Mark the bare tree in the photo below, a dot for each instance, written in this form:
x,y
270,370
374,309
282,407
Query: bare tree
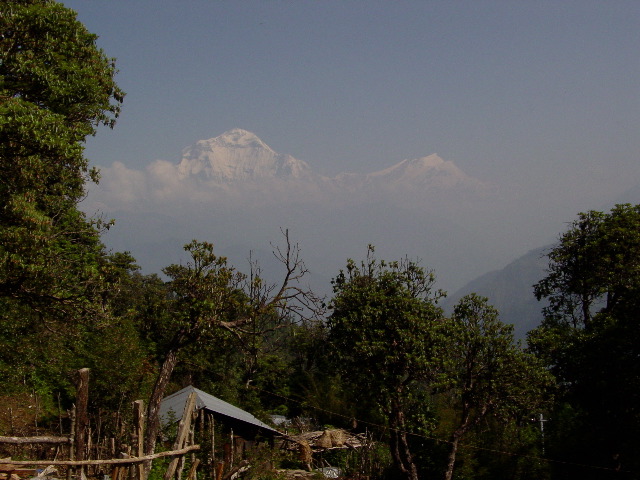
x,y
206,294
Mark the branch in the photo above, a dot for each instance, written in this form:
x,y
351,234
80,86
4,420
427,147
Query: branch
x,y
171,453
21,440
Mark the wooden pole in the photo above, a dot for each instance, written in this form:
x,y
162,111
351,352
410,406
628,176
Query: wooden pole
x,y
219,470
22,440
118,469
192,470
114,461
72,441
82,417
138,444
183,430
212,428
213,438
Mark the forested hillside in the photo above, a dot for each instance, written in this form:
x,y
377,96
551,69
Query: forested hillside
x,y
441,396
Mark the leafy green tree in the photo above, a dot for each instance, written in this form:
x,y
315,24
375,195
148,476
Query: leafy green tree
x,y
385,330
202,296
488,374
590,337
206,297
594,268
56,87
39,354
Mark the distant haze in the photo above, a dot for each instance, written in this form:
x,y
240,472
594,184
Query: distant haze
x,y
237,192
465,133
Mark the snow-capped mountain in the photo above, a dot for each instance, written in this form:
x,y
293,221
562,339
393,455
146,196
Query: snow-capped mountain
x,y
237,191
431,172
238,155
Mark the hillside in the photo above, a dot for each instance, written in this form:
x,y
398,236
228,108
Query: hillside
x,y
510,290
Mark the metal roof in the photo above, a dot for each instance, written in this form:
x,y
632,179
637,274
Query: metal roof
x,y
175,403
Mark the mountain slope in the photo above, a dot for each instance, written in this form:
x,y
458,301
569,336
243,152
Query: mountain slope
x,y
239,155
430,171
234,189
510,290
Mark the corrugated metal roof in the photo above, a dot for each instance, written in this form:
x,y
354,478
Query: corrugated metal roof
x,y
175,403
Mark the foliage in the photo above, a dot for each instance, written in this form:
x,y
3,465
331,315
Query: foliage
x,y
589,337
56,87
385,330
206,297
594,269
489,375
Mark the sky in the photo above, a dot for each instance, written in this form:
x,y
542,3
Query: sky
x,y
539,97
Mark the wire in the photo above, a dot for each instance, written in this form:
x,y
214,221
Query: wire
x,y
441,440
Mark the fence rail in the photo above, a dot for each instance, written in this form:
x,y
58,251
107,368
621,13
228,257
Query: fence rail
x,y
113,461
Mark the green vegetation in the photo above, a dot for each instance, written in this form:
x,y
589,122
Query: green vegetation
x,y
386,332
589,337
450,397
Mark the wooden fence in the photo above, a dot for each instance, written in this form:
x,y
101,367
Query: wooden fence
x,y
131,465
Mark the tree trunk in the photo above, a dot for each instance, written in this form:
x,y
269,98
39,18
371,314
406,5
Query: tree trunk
x,y
82,416
399,444
455,440
153,410
465,424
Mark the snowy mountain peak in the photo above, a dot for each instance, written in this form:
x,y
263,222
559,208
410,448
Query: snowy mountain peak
x,y
425,172
238,155
238,138
415,166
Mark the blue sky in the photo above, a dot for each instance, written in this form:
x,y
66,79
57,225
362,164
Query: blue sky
x,y
497,87
539,97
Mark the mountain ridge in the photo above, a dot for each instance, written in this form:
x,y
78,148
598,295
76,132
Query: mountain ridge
x,y
240,156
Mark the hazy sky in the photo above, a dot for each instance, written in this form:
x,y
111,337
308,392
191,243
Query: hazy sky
x,y
542,98
524,91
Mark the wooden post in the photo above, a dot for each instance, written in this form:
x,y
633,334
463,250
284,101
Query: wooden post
x,y
183,430
72,441
219,470
82,418
118,470
213,438
192,470
138,434
212,428
87,451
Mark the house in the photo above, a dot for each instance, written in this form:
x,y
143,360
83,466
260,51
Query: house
x,y
242,423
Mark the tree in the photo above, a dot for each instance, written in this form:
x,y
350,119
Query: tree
x,y
56,87
489,375
594,268
207,296
201,296
385,330
589,337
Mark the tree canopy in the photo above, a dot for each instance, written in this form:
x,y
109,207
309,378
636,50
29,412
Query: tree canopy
x,y
384,329
589,337
489,375
56,88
